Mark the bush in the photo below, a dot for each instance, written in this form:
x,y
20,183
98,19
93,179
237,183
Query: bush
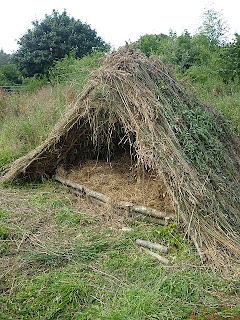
x,y
9,75
73,70
35,83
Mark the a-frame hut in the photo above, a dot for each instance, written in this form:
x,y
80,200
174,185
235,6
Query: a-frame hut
x,y
135,103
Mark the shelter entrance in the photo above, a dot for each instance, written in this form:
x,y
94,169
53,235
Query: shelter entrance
x,y
121,179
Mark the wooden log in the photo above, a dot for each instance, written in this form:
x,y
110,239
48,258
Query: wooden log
x,y
69,183
140,216
82,194
149,211
151,245
84,190
146,213
97,195
124,205
161,259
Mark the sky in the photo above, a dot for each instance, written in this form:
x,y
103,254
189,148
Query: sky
x,y
114,21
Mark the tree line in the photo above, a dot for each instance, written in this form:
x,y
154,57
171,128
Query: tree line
x,y
206,53
57,36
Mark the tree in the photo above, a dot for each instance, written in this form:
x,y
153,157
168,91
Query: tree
x,y
53,38
9,73
214,26
185,51
4,57
230,59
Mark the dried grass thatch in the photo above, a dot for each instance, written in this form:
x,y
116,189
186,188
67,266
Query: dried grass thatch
x,y
122,180
136,102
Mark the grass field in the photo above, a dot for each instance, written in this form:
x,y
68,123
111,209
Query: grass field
x,y
63,258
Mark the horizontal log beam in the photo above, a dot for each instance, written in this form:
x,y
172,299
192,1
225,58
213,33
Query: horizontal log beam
x,y
143,212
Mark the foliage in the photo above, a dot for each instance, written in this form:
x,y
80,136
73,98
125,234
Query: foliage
x,y
214,26
224,96
73,70
203,54
35,83
205,60
183,52
161,45
10,75
27,118
230,62
4,58
53,38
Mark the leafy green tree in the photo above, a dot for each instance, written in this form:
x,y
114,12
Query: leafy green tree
x,y
230,60
182,52
53,38
185,51
154,44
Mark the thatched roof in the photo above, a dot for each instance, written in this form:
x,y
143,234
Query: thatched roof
x,y
137,101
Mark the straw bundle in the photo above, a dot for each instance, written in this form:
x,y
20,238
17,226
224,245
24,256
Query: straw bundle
x,y
136,103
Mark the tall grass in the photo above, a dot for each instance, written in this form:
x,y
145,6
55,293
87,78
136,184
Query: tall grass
x,y
224,96
26,118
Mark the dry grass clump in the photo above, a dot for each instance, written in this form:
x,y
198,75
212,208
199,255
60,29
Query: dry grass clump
x,y
135,102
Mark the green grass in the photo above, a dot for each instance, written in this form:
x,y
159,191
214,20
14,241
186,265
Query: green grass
x,y
5,235
225,97
76,292
71,261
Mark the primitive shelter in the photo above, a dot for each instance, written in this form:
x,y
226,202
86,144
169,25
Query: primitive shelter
x,y
134,103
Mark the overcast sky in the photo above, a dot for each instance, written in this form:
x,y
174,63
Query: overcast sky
x,y
115,21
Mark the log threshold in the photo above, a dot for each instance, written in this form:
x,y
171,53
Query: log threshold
x,y
133,210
